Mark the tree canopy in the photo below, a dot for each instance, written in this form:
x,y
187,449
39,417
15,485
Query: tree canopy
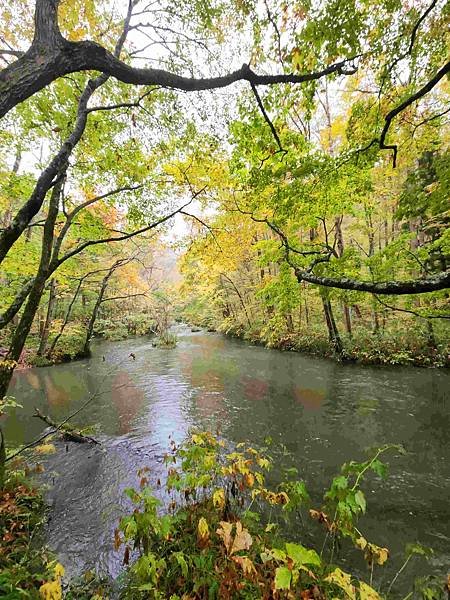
x,y
314,136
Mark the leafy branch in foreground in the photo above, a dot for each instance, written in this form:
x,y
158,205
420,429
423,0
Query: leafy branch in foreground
x,y
219,532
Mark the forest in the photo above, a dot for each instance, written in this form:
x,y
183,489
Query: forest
x,y
266,174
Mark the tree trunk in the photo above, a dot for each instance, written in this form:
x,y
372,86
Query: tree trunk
x,y
90,328
66,319
306,313
23,329
333,333
48,319
348,319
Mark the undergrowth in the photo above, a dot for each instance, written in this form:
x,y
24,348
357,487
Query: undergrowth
x,y
218,534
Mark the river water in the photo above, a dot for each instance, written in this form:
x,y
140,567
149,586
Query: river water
x,y
323,412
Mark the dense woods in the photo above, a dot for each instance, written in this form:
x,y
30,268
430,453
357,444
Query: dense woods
x,y
292,157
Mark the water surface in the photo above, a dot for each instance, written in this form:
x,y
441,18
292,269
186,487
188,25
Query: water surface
x,y
325,413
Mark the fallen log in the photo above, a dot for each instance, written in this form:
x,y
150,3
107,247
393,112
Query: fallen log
x,y
67,433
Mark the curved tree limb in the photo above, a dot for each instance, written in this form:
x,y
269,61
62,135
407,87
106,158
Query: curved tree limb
x,y
394,288
410,312
51,56
434,283
401,107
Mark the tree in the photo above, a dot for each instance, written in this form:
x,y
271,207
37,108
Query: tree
x,y
51,55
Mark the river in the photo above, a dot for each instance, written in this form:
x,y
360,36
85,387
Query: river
x,y
323,412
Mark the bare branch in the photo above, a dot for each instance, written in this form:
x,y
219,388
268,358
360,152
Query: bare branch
x,y
411,312
267,118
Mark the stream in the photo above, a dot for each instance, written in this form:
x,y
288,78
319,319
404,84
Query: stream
x,y
324,413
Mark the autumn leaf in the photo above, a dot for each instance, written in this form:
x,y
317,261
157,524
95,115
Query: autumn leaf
x,y
51,590
197,439
249,479
117,539
202,530
224,532
342,580
374,553
367,593
243,539
246,564
46,449
219,498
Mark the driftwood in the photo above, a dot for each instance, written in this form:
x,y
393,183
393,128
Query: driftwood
x,y
72,435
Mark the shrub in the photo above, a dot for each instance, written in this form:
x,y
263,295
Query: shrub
x,y
219,533
26,570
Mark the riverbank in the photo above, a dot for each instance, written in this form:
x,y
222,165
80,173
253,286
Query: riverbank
x,y
362,348
25,564
71,344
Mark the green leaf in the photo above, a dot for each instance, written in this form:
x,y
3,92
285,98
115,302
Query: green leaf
x,y
379,468
179,556
282,578
418,549
301,555
340,482
360,500
146,587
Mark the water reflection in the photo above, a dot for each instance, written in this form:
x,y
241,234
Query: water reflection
x,y
323,412
127,399
309,399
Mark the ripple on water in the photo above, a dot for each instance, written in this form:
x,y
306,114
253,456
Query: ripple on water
x,y
324,413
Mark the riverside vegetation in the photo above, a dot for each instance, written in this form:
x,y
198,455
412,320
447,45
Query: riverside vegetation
x,y
219,531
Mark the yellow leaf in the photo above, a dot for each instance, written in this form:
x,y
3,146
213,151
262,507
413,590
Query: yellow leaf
x,y
374,553
197,439
382,556
361,543
203,530
58,570
367,593
342,580
263,463
219,498
51,590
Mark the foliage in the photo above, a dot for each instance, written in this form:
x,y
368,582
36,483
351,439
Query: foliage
x,y
220,533
166,339
25,567
122,327
89,586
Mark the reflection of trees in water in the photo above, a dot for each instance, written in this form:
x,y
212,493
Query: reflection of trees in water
x,y
309,399
128,400
254,388
210,404
56,395
58,387
32,379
